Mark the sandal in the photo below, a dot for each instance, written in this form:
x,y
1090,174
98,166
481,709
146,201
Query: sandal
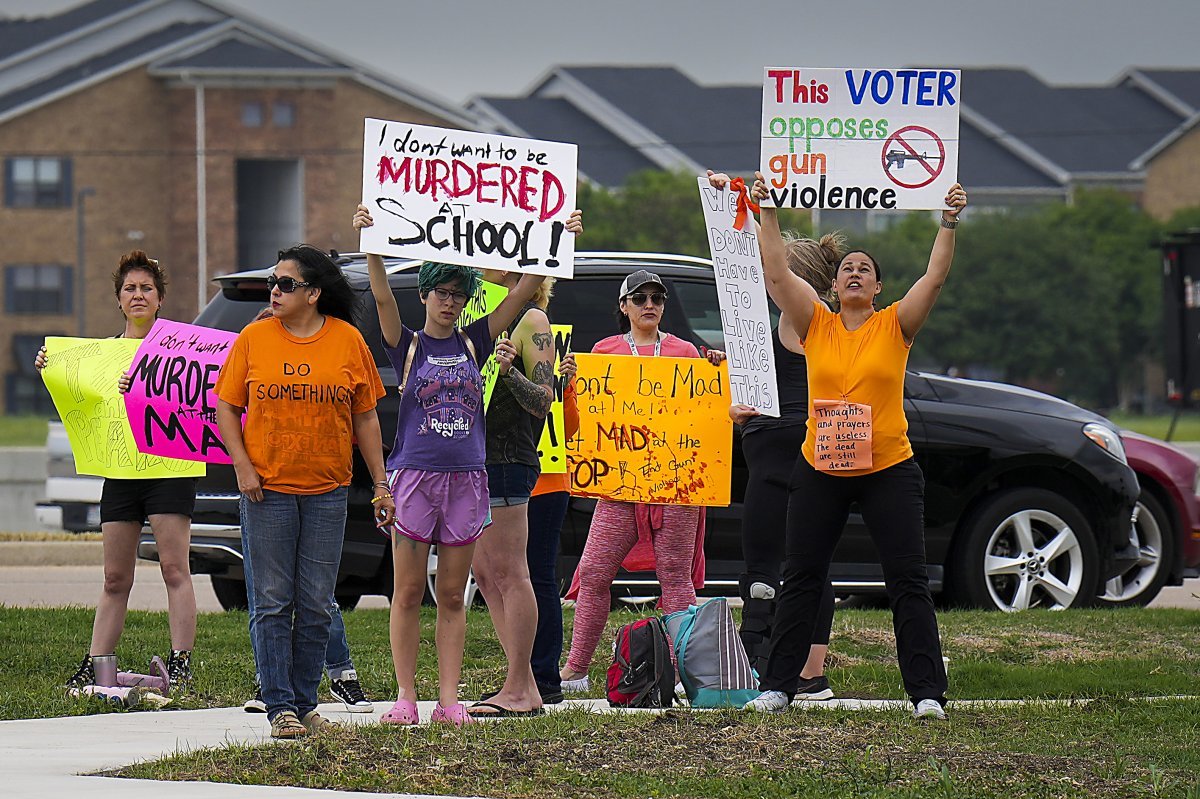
x,y
403,712
314,722
287,726
456,714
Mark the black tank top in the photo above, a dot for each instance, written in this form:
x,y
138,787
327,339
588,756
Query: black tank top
x,y
791,371
512,431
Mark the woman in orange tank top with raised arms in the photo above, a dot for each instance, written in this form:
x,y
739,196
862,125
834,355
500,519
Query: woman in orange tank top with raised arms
x,y
856,450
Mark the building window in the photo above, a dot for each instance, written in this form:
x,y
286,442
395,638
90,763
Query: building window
x,y
252,115
37,289
25,392
283,115
37,182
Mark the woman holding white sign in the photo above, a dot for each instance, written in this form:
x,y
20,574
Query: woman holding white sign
x,y
140,284
856,450
437,466
616,525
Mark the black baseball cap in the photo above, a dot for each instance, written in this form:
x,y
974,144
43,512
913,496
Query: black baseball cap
x,y
638,279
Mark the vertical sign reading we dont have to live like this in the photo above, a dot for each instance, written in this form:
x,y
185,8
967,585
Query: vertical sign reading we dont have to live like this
x,y
477,199
742,294
860,139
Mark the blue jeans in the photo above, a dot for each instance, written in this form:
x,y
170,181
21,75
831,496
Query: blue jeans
x,y
337,651
294,544
546,514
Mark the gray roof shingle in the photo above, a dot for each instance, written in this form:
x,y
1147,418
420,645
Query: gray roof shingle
x,y
1182,83
18,35
242,55
602,156
101,63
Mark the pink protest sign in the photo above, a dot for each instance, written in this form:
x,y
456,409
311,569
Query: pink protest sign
x,y
171,404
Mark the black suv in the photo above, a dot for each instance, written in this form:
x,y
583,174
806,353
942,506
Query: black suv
x,y
1027,503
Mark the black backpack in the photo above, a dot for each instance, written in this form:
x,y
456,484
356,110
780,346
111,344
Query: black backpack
x,y
641,674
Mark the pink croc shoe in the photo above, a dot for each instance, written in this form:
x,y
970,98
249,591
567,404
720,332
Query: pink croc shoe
x,y
456,714
404,712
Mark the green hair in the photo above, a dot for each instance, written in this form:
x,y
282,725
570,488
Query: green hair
x,y
434,274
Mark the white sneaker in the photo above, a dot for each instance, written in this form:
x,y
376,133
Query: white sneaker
x,y
929,709
769,702
579,686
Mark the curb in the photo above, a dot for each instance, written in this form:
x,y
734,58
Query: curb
x,y
51,553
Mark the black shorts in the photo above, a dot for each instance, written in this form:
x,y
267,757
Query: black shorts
x,y
136,500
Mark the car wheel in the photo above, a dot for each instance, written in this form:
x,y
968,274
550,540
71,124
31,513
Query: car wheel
x,y
1155,537
1026,548
469,593
231,593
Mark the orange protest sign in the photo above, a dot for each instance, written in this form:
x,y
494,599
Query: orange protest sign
x,y
651,430
843,438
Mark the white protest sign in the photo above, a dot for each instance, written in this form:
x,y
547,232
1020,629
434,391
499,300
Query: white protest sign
x,y
859,138
742,294
477,199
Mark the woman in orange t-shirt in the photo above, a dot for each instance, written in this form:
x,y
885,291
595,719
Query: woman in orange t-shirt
x,y
856,450
308,386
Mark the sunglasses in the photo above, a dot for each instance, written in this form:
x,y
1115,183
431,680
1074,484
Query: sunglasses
x,y
286,284
459,297
639,298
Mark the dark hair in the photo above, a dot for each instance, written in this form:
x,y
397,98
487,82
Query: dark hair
x,y
317,267
138,259
623,323
871,258
434,274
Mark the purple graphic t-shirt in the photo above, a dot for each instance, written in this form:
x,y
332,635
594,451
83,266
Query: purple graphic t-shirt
x,y
440,424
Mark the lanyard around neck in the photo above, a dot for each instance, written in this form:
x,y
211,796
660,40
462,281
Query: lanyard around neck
x,y
633,347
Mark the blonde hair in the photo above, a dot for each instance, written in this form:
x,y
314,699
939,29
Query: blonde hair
x,y
816,261
541,297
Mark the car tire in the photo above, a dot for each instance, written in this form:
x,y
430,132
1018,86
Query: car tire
x,y
1025,548
231,592
1155,535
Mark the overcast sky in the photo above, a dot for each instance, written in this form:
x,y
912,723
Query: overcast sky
x,y
458,49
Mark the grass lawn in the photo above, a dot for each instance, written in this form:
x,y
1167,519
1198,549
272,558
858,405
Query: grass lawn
x,y
23,431
1113,746
1187,429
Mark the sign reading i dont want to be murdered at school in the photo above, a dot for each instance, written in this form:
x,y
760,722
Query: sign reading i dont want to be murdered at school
x,y
479,199
171,403
742,294
651,430
859,138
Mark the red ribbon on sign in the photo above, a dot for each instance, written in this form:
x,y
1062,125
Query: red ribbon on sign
x,y
744,204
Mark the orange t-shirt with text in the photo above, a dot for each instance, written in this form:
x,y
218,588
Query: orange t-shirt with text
x,y
864,366
299,395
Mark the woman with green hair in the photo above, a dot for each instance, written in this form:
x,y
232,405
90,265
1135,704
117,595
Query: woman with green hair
x,y
437,466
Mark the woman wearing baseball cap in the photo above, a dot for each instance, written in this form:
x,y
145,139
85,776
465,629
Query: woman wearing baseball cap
x,y
616,526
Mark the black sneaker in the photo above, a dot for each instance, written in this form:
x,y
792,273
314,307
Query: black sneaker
x,y
256,704
813,689
179,669
348,691
86,675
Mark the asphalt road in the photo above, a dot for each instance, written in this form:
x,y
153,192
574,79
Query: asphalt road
x,y
56,586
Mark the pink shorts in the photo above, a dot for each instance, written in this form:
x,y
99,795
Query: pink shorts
x,y
445,508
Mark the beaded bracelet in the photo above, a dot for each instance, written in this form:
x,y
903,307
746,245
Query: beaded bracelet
x,y
380,499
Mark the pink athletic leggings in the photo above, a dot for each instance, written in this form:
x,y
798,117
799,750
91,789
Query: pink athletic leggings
x,y
612,534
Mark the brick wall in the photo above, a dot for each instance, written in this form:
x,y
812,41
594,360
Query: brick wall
x,y
1173,178
132,138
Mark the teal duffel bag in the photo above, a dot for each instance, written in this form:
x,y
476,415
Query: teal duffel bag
x,y
712,662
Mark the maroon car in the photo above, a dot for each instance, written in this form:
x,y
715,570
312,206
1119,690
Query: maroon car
x,y
1166,521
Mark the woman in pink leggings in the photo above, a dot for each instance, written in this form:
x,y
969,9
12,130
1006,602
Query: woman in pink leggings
x,y
616,525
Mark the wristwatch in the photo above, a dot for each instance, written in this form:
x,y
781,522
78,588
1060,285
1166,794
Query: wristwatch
x,y
949,224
